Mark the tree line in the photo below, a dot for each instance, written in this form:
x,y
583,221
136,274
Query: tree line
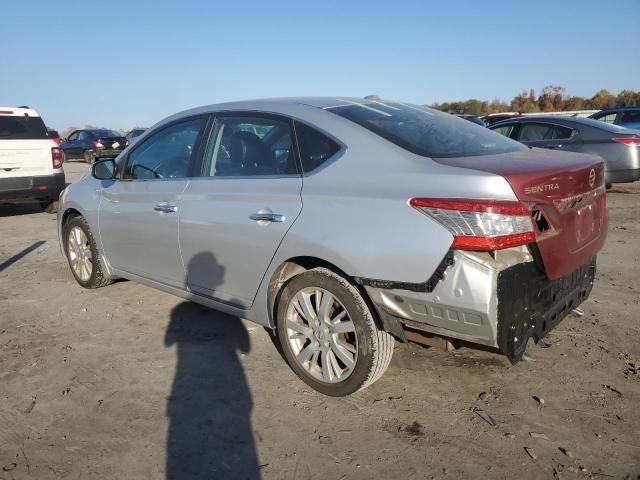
x,y
551,99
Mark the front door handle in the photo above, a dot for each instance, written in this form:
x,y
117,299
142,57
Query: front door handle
x,y
165,208
267,217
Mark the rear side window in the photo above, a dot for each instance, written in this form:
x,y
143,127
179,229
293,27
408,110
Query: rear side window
x,y
561,133
632,116
167,154
22,128
535,132
248,146
315,147
424,131
609,117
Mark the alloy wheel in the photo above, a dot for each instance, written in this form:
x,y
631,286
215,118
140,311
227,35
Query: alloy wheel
x,y
80,256
322,335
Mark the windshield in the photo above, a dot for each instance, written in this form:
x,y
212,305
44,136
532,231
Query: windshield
x,y
22,128
425,131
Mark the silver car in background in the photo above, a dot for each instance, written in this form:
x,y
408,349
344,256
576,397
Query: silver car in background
x,y
343,225
619,147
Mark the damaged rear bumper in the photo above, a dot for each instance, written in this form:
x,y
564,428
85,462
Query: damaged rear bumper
x,y
498,300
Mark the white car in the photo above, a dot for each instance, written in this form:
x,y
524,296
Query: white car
x,y
30,161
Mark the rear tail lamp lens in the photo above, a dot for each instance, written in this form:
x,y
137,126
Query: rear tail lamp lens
x,y
481,225
57,156
629,141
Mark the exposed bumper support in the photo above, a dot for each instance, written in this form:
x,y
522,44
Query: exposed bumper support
x,y
497,300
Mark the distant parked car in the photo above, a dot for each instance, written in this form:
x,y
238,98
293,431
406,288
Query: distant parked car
x,y
498,117
54,135
628,117
30,161
92,144
136,132
618,146
342,223
472,118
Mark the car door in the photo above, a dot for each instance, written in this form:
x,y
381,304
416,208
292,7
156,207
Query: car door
x,y
139,212
83,143
70,146
235,215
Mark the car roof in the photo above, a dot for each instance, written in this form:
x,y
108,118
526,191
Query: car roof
x,y
299,107
617,109
18,112
281,104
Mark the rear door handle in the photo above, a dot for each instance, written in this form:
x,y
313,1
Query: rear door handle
x,y
165,208
267,217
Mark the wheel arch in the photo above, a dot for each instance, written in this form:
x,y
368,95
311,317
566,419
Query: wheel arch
x,y
296,265
286,271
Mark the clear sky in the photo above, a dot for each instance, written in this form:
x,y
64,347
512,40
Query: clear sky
x,y
120,64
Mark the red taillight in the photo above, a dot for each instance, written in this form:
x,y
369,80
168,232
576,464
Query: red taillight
x,y
57,156
57,140
482,225
97,143
629,141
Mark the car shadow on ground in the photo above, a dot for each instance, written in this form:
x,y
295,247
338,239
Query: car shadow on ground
x,y
209,409
15,209
21,254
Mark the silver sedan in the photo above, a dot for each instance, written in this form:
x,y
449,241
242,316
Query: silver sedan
x,y
344,225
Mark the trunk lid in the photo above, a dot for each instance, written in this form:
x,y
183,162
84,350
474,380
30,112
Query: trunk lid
x,y
566,194
25,158
113,143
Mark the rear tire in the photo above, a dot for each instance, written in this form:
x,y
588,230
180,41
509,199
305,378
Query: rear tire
x,y
83,255
328,334
50,206
89,156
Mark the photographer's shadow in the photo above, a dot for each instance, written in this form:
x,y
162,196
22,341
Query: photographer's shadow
x,y
210,435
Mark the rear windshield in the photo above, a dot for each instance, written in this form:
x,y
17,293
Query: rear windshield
x,y
105,133
426,132
22,128
609,127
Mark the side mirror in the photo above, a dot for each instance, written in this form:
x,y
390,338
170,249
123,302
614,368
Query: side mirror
x,y
104,169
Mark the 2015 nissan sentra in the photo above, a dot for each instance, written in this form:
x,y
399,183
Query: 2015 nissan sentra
x,y
343,224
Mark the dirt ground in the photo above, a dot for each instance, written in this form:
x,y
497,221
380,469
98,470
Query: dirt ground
x,y
126,382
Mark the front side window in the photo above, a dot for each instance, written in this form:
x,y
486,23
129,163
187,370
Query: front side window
x,y
248,146
73,137
167,154
425,131
505,130
535,132
315,147
83,136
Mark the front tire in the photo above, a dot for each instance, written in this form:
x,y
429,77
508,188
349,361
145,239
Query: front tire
x,y
328,334
83,255
49,206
